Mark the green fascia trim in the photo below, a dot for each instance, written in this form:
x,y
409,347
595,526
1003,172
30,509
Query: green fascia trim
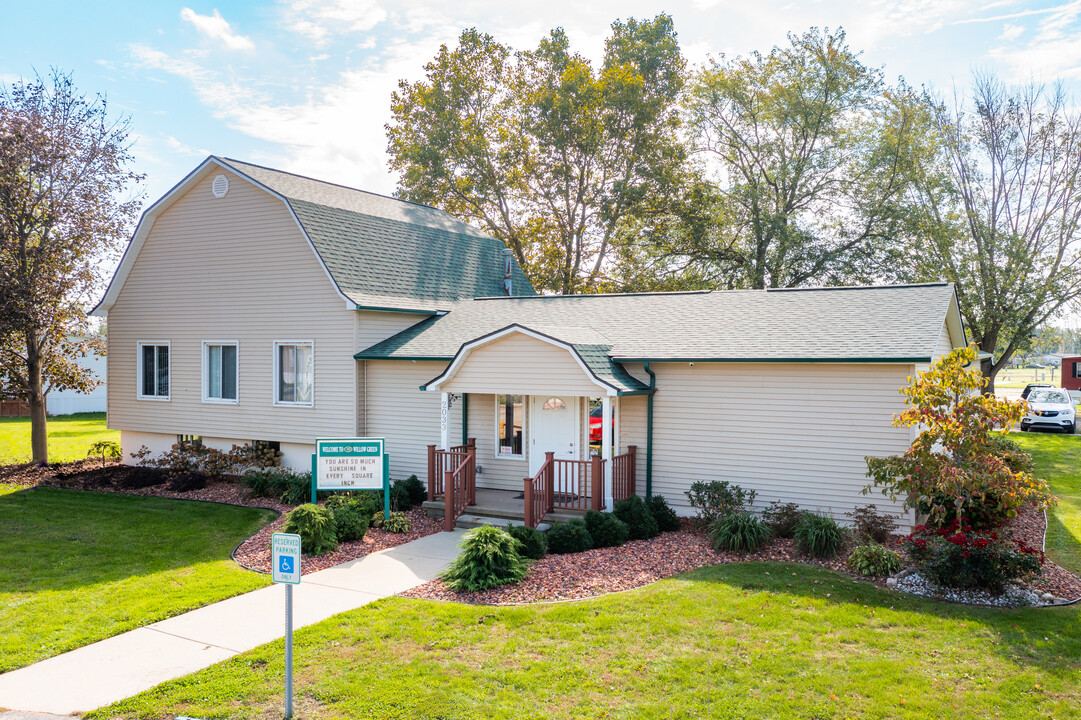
x,y
398,310
465,418
649,430
903,360
415,358
644,391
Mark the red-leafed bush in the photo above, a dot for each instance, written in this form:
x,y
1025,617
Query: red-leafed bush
x,y
958,556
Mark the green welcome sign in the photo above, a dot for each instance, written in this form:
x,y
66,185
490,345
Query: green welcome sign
x,y
346,464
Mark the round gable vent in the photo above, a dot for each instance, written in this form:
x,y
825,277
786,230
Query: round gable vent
x,y
220,186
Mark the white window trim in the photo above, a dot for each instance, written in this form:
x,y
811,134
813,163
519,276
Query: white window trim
x,y
206,373
495,427
274,383
139,371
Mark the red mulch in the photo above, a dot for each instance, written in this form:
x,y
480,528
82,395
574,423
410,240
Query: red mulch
x,y
1030,525
253,553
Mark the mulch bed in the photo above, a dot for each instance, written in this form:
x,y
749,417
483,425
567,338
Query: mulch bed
x,y
253,553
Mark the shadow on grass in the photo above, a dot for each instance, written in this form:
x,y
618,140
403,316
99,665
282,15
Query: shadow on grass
x,y
1046,638
57,539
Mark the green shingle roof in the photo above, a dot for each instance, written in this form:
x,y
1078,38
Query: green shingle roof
x,y
872,324
389,253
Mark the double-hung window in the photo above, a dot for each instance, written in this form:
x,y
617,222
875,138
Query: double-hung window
x,y
153,362
294,373
509,419
220,372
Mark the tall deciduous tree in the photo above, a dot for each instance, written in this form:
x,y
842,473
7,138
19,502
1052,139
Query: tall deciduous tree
x,y
812,153
999,212
546,153
63,211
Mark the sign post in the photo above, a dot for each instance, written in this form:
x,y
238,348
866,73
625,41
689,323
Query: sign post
x,y
285,569
352,464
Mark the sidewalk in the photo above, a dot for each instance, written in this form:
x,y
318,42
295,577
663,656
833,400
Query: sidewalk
x,y
121,666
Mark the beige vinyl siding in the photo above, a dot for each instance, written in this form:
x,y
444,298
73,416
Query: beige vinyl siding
x,y
793,432
944,345
236,268
632,431
522,365
396,409
500,473
372,327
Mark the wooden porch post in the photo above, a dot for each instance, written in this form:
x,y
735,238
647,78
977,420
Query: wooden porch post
x,y
606,450
632,468
548,482
596,482
471,450
527,492
431,472
448,501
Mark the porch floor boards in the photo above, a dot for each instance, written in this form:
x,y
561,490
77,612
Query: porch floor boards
x,y
497,507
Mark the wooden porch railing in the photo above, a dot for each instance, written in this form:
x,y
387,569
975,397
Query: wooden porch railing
x,y
460,489
563,484
623,472
441,461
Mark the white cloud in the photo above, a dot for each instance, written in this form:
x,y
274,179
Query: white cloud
x,y
216,27
1011,32
318,20
1053,51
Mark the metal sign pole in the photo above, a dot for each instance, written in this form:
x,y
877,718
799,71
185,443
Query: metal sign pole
x,y
386,486
288,651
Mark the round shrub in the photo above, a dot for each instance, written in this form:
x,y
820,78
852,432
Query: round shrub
x,y
138,477
662,512
739,532
871,525
782,518
606,529
874,560
414,489
315,526
533,544
187,482
396,522
639,521
350,524
959,556
818,535
489,558
569,537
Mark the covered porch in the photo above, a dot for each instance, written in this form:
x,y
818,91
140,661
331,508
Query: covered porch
x,y
541,417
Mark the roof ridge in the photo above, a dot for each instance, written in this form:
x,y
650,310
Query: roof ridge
x,y
594,295
896,286
333,184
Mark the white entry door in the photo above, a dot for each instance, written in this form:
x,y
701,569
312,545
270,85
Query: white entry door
x,y
553,428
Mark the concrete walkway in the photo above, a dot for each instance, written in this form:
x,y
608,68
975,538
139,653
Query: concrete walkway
x,y
121,666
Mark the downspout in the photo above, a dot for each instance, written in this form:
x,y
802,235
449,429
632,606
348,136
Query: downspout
x,y
465,418
649,430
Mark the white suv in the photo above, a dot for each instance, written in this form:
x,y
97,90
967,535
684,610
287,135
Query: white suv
x,y
1049,408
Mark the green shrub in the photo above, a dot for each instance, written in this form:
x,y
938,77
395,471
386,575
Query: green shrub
x,y
569,537
489,558
315,526
818,535
350,524
739,532
872,526
1011,453
639,521
718,498
136,477
396,522
662,512
106,449
606,529
782,518
533,544
260,482
959,556
874,560
280,483
414,490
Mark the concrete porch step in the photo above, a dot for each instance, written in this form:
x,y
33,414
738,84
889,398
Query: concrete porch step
x,y
497,514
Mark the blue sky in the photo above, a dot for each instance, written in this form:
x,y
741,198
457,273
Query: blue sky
x,y
304,85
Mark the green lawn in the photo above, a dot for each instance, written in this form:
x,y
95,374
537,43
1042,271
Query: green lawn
x,y
81,566
1058,460
758,640
69,437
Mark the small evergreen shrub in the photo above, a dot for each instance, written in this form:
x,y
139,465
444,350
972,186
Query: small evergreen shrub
x,y
350,524
489,558
533,544
569,537
818,535
871,525
782,518
739,532
662,512
718,498
606,529
874,560
639,521
959,556
414,490
315,526
397,522
187,481
105,449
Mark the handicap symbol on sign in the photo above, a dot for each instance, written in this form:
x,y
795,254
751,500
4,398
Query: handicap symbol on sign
x,y
285,564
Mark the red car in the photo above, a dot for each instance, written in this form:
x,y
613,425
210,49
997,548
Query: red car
x,y
596,425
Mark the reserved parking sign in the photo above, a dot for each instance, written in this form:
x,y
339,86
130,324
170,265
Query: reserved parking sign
x,y
285,558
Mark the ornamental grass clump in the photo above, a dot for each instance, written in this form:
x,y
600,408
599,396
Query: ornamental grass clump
x,y
959,556
874,560
489,558
739,532
818,535
315,526
958,465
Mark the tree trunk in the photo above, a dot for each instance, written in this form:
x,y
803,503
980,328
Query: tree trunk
x,y
990,370
39,442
